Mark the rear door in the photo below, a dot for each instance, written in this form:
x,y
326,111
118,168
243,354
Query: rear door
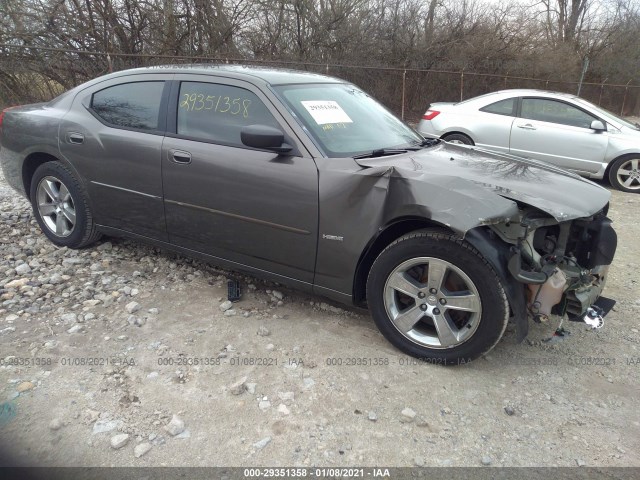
x,y
249,206
559,133
113,136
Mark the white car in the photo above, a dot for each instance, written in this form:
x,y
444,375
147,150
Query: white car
x,y
556,128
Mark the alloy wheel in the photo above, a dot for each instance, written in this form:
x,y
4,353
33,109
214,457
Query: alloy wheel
x,y
56,206
432,302
629,175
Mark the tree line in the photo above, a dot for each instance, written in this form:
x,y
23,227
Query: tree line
x,y
559,40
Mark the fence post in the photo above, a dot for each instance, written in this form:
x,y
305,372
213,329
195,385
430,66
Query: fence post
x,y
327,69
404,76
505,80
461,84
585,66
601,90
624,99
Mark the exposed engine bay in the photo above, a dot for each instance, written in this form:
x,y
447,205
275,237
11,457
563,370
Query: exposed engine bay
x,y
562,265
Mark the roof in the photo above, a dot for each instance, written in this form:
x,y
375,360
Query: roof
x,y
269,75
523,92
533,91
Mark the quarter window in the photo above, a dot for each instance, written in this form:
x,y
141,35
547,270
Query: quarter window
x,y
503,107
555,112
217,113
130,105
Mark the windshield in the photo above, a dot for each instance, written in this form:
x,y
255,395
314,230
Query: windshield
x,y
344,121
607,113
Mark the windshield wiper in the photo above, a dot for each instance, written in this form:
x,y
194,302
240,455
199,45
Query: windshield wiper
x,y
381,152
427,142
430,142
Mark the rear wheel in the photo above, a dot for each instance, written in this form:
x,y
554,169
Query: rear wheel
x,y
433,296
624,173
61,207
458,138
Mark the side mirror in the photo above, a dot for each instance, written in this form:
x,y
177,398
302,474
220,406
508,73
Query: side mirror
x,y
598,126
264,136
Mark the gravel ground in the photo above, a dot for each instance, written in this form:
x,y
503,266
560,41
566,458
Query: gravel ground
x,y
124,354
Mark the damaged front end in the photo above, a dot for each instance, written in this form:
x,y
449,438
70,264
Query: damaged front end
x,y
562,266
544,231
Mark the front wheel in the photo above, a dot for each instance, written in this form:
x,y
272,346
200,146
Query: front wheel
x,y
624,174
433,296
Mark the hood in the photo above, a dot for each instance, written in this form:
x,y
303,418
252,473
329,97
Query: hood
x,y
632,133
563,195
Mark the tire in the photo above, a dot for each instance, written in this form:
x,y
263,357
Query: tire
x,y
624,173
405,309
458,138
61,207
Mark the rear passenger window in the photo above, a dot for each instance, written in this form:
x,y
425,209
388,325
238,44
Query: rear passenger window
x,y
503,107
130,105
217,113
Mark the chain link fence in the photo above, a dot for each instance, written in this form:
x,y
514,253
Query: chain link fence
x,y
29,74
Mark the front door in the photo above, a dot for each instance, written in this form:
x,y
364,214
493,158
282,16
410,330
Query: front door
x,y
249,206
558,133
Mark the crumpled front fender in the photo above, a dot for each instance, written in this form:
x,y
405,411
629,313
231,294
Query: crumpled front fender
x,y
496,252
355,207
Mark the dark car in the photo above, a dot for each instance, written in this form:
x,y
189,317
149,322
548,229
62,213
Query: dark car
x,y
306,180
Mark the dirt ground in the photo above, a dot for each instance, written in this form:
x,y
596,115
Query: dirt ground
x,y
101,348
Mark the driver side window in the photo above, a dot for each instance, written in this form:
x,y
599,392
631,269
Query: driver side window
x,y
553,111
216,113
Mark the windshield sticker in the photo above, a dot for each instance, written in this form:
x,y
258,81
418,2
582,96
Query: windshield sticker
x,y
326,111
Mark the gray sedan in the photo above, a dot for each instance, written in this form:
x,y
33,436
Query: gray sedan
x,y
306,180
557,128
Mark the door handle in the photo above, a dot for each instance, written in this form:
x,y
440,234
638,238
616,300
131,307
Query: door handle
x,y
179,156
527,126
75,138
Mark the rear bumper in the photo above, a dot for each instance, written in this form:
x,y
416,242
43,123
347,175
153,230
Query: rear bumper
x,y
425,128
11,165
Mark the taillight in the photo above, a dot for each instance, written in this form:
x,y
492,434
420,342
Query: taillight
x,y
430,114
3,112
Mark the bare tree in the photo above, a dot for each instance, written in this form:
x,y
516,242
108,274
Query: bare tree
x,y
547,38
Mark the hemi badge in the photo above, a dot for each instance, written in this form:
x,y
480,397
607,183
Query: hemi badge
x,y
332,237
